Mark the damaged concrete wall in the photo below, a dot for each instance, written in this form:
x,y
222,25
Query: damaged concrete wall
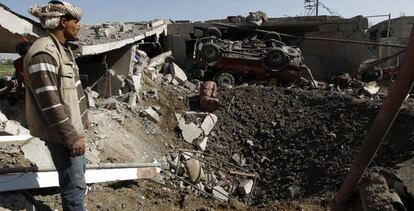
x,y
400,29
14,27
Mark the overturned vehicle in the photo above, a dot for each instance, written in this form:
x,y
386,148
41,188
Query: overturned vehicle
x,y
232,62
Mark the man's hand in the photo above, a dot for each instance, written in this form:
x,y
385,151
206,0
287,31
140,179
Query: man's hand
x,y
78,148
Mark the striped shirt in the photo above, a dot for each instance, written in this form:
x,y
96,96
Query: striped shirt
x,y
43,73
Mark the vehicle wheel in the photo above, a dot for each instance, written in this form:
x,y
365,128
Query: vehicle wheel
x,y
272,36
212,31
275,59
224,78
210,52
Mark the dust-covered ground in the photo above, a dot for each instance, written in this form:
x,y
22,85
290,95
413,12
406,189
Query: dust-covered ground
x,y
300,142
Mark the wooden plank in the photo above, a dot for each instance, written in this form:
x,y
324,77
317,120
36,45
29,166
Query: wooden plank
x,y
14,139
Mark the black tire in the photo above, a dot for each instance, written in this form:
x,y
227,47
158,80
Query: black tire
x,y
272,36
276,59
212,31
224,78
210,52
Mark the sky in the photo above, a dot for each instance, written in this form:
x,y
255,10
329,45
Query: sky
x,y
99,11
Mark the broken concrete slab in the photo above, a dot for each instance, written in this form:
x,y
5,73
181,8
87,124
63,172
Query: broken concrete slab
x,y
136,79
151,114
202,145
209,123
12,127
178,74
190,86
159,60
220,193
3,118
89,98
190,132
92,155
245,187
37,152
167,78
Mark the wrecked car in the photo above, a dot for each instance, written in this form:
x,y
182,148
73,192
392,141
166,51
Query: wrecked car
x,y
231,62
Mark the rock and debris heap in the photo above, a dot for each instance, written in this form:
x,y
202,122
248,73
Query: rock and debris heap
x,y
301,143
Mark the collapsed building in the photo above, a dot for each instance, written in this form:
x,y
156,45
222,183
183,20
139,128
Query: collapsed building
x,y
263,146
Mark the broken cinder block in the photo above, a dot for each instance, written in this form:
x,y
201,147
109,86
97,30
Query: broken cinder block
x,y
151,114
178,74
209,123
220,193
245,187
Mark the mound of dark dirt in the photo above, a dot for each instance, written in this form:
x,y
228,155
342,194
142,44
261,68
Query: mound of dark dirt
x,y
303,141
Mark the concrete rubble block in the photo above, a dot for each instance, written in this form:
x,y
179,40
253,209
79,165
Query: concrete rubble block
x,y
190,132
136,79
159,60
175,82
110,104
209,123
92,155
12,127
190,86
186,156
151,114
220,193
371,88
194,170
239,160
156,23
126,28
294,190
89,98
167,78
178,74
245,187
3,118
202,144
37,152
132,100
94,94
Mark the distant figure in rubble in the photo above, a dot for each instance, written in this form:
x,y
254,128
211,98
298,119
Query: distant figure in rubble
x,y
209,96
55,101
21,49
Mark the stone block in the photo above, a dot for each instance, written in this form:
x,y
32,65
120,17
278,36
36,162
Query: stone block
x,y
3,118
202,145
190,85
194,170
220,193
37,152
12,127
190,132
245,187
178,74
151,114
209,123
136,79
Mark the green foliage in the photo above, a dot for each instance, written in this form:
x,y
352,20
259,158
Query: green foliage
x,y
6,69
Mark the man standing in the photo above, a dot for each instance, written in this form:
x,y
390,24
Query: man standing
x,y
55,101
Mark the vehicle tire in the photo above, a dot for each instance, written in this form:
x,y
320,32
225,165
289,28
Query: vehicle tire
x,y
272,36
224,78
212,31
210,52
275,59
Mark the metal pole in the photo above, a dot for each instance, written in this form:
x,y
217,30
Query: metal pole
x,y
389,25
317,7
379,129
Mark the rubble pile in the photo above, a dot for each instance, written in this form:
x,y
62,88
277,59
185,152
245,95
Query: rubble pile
x,y
300,143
